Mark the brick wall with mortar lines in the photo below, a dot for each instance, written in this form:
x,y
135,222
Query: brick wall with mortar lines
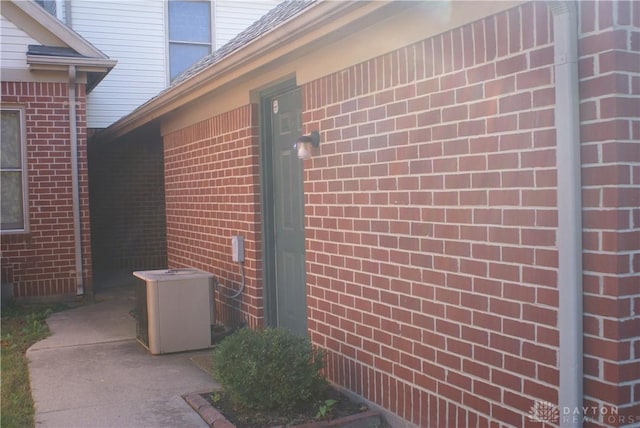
x,y
610,112
42,262
431,224
127,204
212,193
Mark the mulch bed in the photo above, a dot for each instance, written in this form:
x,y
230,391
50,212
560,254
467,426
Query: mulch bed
x,y
253,419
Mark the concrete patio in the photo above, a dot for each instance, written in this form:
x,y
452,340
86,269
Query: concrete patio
x,y
91,371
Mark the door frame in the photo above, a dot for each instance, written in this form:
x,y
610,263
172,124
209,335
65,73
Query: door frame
x,y
267,201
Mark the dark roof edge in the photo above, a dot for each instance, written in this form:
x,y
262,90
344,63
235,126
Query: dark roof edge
x,y
42,50
277,16
315,16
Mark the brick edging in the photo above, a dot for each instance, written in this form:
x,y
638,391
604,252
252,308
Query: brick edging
x,y
215,419
211,416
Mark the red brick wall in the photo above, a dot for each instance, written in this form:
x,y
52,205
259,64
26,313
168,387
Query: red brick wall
x,y
610,112
212,193
431,224
431,220
127,204
42,262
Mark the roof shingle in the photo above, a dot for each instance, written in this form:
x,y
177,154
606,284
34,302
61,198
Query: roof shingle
x,y
272,19
53,51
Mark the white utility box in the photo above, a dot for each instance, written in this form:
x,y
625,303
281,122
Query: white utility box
x,y
174,309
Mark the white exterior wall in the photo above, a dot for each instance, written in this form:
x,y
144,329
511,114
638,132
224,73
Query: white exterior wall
x,y
15,42
133,33
233,16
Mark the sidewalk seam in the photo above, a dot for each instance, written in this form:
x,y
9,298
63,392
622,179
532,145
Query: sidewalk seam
x,y
79,345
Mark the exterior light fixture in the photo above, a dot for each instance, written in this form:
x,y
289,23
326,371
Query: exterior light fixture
x,y
305,143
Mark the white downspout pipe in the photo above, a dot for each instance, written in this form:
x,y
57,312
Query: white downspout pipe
x,y
75,187
569,238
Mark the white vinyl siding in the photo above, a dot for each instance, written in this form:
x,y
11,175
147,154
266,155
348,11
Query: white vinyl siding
x,y
133,33
233,16
15,42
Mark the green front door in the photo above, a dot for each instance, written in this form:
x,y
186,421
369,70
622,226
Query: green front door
x,y
289,282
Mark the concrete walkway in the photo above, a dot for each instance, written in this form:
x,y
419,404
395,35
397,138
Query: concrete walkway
x,y
91,372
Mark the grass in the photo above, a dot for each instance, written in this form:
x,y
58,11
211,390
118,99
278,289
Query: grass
x,y
21,327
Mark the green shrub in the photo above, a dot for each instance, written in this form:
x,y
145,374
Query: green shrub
x,y
270,369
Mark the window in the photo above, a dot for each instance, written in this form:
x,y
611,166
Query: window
x,y
189,33
48,5
13,205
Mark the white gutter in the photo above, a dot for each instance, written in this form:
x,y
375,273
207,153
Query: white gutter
x,y
569,235
75,189
91,64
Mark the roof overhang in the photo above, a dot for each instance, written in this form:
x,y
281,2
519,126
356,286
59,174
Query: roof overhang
x,y
96,68
49,31
314,24
319,25
40,62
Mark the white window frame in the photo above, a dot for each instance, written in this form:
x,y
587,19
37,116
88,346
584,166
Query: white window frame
x,y
59,12
47,6
211,44
23,170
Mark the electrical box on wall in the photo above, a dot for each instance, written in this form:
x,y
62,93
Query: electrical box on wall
x,y
237,248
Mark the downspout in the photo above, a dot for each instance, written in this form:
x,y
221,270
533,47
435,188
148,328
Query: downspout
x,y
75,188
569,238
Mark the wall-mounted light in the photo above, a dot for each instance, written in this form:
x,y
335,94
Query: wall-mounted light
x,y
305,144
